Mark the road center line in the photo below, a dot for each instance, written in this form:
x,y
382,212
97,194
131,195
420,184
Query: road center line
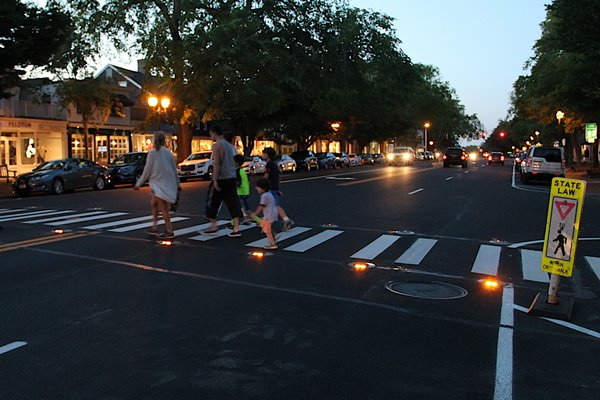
x,y
504,353
12,346
416,191
449,178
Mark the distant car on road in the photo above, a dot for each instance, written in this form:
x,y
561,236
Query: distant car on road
x,y
543,162
286,163
379,158
367,159
59,176
456,156
305,159
327,160
401,156
342,159
496,157
254,165
197,165
127,168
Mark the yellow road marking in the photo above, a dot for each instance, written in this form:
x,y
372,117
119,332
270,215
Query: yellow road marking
x,y
42,240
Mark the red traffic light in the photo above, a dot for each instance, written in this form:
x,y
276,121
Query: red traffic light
x,y
502,134
483,135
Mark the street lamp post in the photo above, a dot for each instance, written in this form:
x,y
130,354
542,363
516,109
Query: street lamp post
x,y
154,102
426,126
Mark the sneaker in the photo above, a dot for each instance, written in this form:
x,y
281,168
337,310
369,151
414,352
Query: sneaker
x,y
287,225
209,232
270,247
166,236
235,234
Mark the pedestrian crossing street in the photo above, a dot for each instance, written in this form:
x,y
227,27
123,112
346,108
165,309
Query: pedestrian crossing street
x,y
486,261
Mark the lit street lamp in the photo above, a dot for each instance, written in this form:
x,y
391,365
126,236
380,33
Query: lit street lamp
x,y
153,102
426,126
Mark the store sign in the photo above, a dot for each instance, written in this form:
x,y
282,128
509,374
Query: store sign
x,y
19,124
591,132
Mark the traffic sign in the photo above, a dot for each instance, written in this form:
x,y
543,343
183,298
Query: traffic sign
x,y
591,132
562,226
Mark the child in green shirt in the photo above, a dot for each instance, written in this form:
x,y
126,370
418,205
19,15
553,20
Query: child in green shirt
x,y
243,187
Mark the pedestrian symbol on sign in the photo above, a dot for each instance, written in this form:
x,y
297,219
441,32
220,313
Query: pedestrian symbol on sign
x,y
562,228
561,239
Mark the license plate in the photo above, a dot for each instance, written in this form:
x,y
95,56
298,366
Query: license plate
x,y
187,173
22,186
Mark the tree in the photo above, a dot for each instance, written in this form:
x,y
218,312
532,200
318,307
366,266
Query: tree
x,y
29,37
92,99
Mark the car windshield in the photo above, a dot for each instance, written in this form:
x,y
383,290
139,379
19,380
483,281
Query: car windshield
x,y
50,165
454,152
127,159
548,154
198,156
320,156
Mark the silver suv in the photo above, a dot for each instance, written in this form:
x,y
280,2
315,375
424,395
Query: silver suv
x,y
543,162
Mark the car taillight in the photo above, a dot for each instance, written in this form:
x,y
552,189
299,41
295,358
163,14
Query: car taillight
x,y
490,158
462,157
502,158
444,157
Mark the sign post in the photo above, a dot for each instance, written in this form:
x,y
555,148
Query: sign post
x,y
560,243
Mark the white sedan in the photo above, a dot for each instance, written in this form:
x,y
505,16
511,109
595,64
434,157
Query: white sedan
x,y
254,165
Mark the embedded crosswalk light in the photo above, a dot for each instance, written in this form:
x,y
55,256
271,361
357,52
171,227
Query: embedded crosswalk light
x,y
257,254
491,284
59,231
166,243
361,266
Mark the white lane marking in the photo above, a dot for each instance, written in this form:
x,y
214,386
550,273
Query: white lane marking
x,y
531,261
417,252
25,214
376,247
504,353
11,346
521,244
487,260
466,172
5,211
514,184
144,225
313,241
594,263
416,191
339,178
298,230
28,216
41,221
220,233
196,228
449,178
565,324
85,219
118,223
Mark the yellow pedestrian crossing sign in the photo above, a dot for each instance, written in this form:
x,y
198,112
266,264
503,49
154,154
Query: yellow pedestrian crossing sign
x,y
562,226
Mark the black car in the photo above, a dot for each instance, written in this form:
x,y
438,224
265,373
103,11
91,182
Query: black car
x,y
496,157
379,158
326,160
367,159
59,176
306,159
456,156
127,168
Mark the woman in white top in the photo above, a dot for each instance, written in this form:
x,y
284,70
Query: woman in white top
x,y
161,171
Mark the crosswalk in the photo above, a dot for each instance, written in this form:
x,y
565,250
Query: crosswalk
x,y
299,239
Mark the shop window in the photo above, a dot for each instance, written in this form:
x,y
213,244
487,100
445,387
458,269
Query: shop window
x,y
49,147
28,151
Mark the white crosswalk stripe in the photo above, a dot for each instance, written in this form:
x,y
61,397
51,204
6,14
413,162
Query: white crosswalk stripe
x,y
594,263
5,211
313,241
220,233
118,223
417,252
376,247
145,225
85,219
27,215
195,228
44,220
531,261
487,260
298,230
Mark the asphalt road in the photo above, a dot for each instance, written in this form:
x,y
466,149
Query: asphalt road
x,y
104,312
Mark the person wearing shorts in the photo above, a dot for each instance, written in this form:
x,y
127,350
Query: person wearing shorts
x,y
224,184
268,209
272,175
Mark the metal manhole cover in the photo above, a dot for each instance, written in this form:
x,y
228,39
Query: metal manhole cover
x,y
427,290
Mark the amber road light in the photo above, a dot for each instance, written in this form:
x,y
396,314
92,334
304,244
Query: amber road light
x,y
59,231
361,266
491,284
166,243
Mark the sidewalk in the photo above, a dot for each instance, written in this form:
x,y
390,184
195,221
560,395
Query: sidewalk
x,y
5,189
593,183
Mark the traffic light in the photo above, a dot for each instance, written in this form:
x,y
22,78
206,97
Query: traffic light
x,y
502,134
483,135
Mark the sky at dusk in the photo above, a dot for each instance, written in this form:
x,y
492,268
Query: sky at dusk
x,y
480,46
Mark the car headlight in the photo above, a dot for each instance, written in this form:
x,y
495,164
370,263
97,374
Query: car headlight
x,y
390,156
406,156
36,178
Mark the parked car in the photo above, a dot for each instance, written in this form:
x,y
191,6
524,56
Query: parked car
x,y
286,163
496,157
254,165
197,165
401,156
355,160
519,157
543,162
367,159
342,159
305,159
327,160
455,156
429,155
59,176
420,155
379,158
127,168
